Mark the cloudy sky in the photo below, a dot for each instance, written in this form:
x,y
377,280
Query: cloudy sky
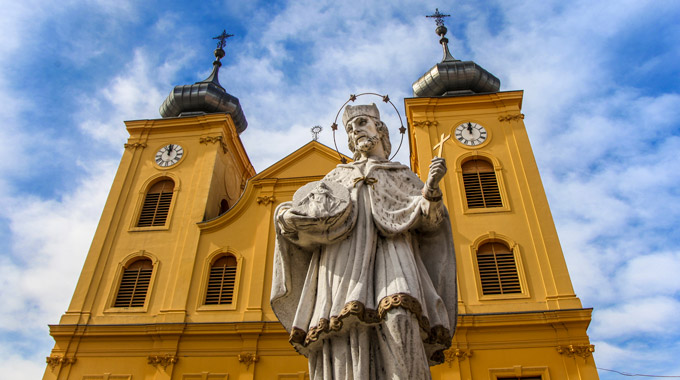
x,y
601,101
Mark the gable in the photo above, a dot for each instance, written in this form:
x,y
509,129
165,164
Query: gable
x,y
312,159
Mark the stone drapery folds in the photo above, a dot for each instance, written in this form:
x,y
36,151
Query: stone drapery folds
x,y
364,250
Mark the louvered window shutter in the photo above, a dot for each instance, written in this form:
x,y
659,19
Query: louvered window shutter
x,y
156,204
134,284
222,281
497,269
481,185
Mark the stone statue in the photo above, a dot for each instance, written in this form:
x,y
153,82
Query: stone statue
x,y
364,269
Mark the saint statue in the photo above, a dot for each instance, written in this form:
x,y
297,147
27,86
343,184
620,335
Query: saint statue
x,y
364,269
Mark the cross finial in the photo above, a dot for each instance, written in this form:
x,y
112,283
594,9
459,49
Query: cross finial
x,y
223,38
441,32
438,17
440,144
315,132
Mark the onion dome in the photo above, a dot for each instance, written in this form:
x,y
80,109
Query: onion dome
x,y
206,96
452,76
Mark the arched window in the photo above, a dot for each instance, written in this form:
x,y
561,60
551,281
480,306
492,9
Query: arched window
x,y
224,206
134,284
222,281
481,185
497,269
156,204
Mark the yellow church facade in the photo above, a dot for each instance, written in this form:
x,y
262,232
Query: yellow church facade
x,y
177,281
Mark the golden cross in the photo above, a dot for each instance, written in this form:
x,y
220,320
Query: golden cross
x,y
440,144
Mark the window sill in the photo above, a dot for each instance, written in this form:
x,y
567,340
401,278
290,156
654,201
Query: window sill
x,y
120,310
154,228
485,210
222,307
502,297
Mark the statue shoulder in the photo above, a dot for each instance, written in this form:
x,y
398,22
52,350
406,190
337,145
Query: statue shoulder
x,y
342,174
399,171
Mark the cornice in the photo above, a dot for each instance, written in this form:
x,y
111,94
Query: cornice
x,y
154,329
181,121
497,99
548,317
524,318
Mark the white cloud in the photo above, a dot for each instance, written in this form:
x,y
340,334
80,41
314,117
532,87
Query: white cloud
x,y
16,366
608,154
650,275
41,273
137,92
637,318
134,94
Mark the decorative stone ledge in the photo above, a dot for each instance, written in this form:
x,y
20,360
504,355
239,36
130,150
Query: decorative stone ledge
x,y
162,360
456,354
54,361
214,140
518,116
248,358
265,200
582,350
426,123
134,145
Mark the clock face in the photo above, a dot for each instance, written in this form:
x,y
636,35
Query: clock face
x,y
471,134
169,155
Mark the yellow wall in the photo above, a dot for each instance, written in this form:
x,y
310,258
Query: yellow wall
x,y
503,333
176,336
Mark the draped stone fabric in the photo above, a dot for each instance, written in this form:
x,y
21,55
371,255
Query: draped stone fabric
x,y
368,292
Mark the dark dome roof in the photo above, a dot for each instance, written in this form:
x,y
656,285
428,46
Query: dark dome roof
x,y
454,77
206,96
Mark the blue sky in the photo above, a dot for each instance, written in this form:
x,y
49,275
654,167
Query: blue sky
x,y
602,110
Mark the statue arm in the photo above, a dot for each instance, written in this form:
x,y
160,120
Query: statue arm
x,y
320,215
432,206
284,220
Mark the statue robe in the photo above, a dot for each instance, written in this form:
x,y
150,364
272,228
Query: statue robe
x,y
391,258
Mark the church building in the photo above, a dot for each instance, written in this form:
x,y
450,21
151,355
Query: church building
x,y
177,282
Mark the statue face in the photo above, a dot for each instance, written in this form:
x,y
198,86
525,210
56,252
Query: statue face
x,y
364,133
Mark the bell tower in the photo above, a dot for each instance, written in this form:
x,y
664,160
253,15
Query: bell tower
x,y
518,315
131,301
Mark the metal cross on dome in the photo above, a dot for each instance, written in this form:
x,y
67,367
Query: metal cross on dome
x,y
223,38
438,17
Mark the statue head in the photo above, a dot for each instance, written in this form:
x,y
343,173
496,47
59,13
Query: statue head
x,y
368,116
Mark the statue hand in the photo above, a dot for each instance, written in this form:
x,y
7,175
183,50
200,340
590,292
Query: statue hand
x,y
296,220
290,218
437,171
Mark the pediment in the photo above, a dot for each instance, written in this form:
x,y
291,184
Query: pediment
x,y
312,159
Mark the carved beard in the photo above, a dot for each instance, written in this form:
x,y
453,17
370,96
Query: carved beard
x,y
367,144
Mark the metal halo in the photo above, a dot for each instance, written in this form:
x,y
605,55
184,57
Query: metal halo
x,y
353,97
